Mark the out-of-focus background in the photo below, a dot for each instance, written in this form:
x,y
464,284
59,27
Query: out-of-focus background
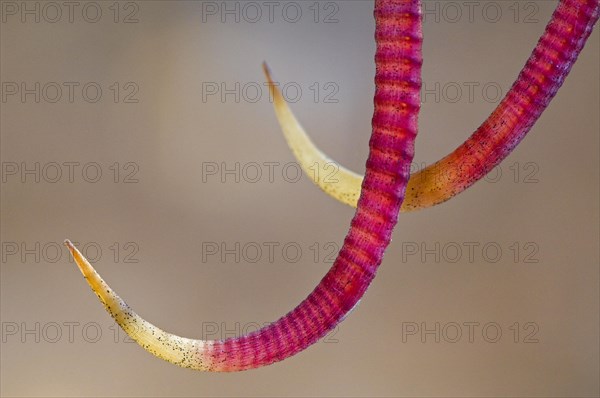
x,y
144,132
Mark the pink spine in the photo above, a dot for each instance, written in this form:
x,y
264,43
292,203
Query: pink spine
x,y
397,103
538,82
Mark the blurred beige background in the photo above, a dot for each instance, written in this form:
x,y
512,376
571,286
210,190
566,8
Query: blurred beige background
x,y
516,254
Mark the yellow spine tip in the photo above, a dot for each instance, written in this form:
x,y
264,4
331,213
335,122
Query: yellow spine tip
x,y
68,243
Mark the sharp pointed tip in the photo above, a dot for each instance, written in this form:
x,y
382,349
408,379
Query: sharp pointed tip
x,y
81,262
266,70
